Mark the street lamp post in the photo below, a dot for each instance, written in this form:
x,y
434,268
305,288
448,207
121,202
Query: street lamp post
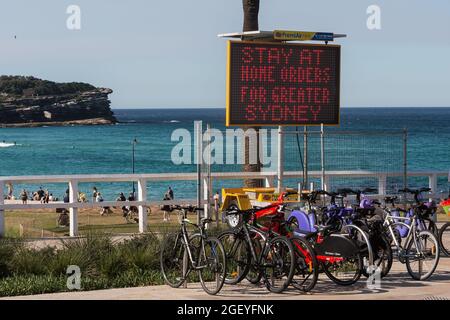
x,y
134,142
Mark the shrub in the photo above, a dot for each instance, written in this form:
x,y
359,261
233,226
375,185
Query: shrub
x,y
31,284
103,264
141,252
7,250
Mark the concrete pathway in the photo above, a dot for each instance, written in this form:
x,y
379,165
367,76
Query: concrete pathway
x,y
398,285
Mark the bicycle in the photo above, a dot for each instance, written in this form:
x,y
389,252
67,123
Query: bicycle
x,y
338,255
364,216
181,254
421,245
255,255
272,218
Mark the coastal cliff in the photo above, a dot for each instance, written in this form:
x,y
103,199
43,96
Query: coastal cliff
x,y
29,101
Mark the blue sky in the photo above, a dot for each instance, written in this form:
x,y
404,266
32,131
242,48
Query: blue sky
x,y
166,53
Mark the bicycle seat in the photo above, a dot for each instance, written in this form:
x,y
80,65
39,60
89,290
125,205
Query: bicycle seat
x,y
344,191
322,229
369,190
390,199
204,221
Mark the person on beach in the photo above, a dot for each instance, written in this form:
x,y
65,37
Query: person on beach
x,y
46,197
170,193
10,187
133,209
24,196
66,197
122,198
166,208
40,193
35,196
51,198
104,210
94,194
82,197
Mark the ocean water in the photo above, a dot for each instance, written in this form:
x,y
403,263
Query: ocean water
x,y
108,149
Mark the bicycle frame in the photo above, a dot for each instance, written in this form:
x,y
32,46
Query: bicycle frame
x,y
390,222
185,242
247,228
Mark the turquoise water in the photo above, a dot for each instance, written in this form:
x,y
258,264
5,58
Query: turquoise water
x,y
107,149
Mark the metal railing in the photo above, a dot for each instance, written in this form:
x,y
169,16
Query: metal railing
x,y
145,180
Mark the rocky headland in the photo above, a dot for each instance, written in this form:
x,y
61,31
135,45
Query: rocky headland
x,y
29,101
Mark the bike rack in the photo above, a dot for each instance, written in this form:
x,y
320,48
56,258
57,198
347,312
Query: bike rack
x,y
366,238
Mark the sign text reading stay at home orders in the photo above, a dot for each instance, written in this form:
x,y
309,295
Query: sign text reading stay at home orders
x,y
276,84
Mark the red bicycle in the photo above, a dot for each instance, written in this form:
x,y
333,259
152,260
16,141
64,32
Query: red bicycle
x,y
262,225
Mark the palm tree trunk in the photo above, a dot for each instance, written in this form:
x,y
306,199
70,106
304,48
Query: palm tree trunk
x,y
251,11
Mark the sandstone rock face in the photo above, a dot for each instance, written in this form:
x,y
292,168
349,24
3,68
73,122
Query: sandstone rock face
x,y
28,101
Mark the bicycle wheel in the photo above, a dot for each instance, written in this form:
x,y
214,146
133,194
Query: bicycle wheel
x,y
444,238
345,271
171,260
238,256
422,255
278,263
383,257
212,264
306,270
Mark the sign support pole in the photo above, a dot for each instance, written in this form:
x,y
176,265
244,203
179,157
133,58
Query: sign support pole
x,y
305,157
322,157
280,159
199,159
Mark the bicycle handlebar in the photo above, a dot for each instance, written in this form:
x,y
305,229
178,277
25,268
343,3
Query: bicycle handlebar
x,y
414,191
188,208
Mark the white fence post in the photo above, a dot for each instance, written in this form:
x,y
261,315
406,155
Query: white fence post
x,y
382,182
142,196
206,197
432,184
326,184
73,211
2,212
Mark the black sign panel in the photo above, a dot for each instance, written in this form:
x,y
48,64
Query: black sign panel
x,y
272,84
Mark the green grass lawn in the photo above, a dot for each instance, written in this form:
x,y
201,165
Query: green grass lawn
x,y
43,223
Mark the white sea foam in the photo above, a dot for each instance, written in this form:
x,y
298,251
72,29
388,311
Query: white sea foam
x,y
6,144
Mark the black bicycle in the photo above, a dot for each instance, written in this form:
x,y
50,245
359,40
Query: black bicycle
x,y
181,254
255,255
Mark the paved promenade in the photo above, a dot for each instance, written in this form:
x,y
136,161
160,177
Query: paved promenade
x,y
398,285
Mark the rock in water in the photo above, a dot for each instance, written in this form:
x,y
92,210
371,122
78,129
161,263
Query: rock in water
x,y
29,101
